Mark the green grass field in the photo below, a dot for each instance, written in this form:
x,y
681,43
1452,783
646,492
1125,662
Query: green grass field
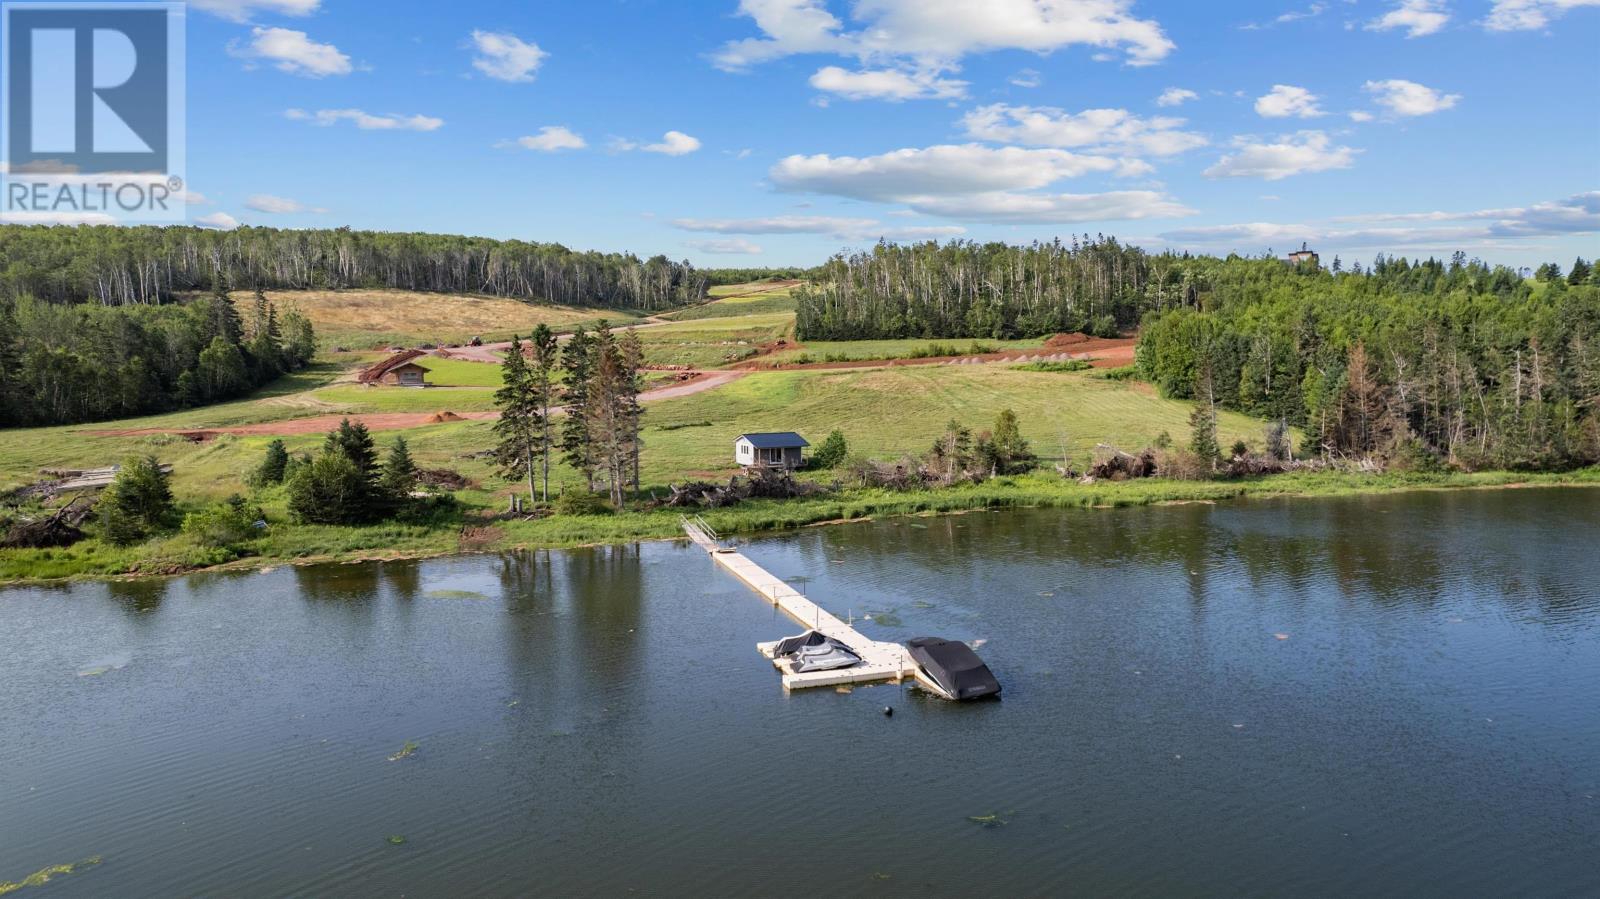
x,y
713,342
863,350
885,413
730,300
890,412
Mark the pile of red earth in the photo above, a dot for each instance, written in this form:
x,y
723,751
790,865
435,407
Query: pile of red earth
x,y
440,417
1056,341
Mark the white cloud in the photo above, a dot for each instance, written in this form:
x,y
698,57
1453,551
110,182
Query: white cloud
x,y
1295,154
219,220
1027,78
1408,98
278,205
779,224
946,170
887,84
1044,209
842,228
972,181
505,57
1114,131
1418,17
1360,115
938,33
730,246
1176,96
366,121
1578,214
673,143
242,10
1293,15
46,217
293,52
1286,100
1529,15
1310,12
552,138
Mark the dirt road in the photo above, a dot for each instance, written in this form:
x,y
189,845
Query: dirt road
x,y
490,352
1100,352
399,421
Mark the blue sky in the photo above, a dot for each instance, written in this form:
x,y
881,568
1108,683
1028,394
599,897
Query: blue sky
x,y
777,132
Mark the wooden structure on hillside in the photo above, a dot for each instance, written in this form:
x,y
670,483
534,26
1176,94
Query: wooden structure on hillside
x,y
1304,255
399,370
783,449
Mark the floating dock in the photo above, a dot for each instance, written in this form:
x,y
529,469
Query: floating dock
x,y
879,661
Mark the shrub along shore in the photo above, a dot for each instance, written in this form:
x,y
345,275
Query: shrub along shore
x,y
464,529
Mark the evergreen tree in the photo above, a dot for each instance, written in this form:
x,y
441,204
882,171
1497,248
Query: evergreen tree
x,y
273,465
329,490
1009,450
399,476
952,452
353,439
831,453
520,424
1581,272
137,504
1203,422
546,357
577,362
10,391
610,414
631,352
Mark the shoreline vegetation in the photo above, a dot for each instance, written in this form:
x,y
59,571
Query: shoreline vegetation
x,y
473,531
1290,379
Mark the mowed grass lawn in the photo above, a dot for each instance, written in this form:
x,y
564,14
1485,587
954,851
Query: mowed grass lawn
x,y
888,413
848,350
363,319
713,342
885,413
740,299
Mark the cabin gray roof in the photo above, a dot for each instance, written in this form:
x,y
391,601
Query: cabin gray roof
x,y
775,440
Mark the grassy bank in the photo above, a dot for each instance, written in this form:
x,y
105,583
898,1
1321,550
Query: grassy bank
x,y
472,529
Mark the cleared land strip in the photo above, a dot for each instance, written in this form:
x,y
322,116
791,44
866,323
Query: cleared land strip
x,y
399,421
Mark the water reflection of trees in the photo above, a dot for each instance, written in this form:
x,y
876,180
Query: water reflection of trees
x,y
349,584
139,598
1388,549
571,640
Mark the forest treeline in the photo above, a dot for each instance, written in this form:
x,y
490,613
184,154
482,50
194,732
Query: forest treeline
x,y
1411,363
111,266
991,290
65,363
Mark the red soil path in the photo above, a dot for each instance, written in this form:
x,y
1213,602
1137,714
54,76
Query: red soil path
x,y
398,421
1101,352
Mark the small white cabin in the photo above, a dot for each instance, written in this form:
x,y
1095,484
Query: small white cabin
x,y
784,449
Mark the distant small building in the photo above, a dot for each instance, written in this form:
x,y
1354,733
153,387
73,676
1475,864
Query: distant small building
x,y
1304,255
784,449
399,370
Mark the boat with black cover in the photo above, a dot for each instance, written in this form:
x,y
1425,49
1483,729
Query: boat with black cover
x,y
952,668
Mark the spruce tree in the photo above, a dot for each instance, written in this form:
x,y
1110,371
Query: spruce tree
x,y
273,466
137,504
520,424
546,357
577,362
399,477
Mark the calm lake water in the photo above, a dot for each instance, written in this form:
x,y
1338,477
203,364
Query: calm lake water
x,y
1394,695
